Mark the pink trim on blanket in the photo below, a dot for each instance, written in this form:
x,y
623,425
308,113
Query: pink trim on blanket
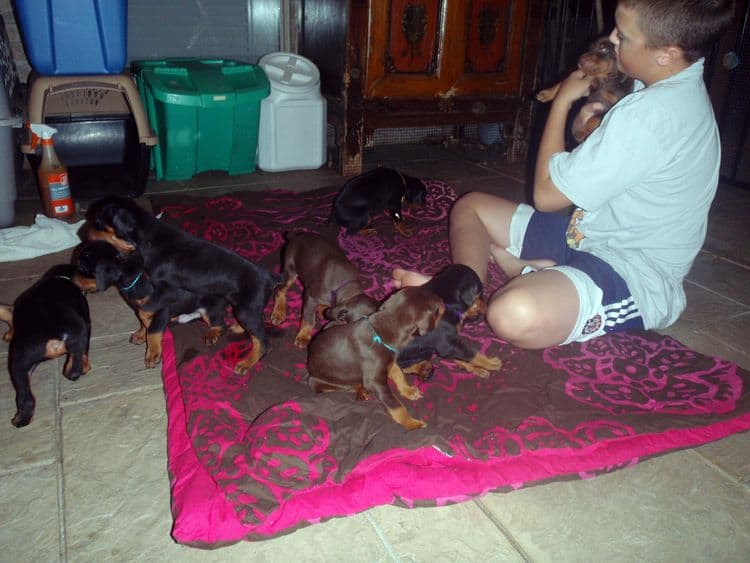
x,y
203,516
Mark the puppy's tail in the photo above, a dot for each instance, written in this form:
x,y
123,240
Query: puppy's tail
x,y
6,315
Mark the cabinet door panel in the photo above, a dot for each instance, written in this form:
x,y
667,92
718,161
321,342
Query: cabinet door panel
x,y
488,32
413,37
494,39
409,49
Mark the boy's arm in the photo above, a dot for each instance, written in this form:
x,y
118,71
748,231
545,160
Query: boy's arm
x,y
546,195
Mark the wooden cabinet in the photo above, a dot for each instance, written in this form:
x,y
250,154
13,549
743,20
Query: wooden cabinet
x,y
404,63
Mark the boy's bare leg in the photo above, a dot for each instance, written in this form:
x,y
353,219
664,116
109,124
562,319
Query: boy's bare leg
x,y
477,221
536,310
479,230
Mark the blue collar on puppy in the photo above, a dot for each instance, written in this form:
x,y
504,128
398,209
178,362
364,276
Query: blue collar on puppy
x,y
377,340
132,284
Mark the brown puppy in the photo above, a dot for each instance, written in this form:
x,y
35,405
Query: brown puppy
x,y
361,356
607,88
330,282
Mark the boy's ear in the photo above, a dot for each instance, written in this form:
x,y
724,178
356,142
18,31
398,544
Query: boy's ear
x,y
669,56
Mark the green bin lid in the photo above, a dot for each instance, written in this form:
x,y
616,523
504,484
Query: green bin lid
x,y
204,82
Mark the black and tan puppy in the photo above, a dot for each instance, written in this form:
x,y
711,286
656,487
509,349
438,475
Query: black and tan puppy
x,y
608,87
330,281
461,290
176,260
381,189
154,307
48,320
361,356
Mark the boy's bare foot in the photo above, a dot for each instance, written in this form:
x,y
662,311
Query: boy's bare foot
x,y
406,278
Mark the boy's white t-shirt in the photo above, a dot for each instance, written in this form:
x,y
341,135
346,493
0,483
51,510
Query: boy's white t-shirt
x,y
643,182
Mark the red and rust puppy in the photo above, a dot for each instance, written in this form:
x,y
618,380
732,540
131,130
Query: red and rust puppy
x,y
361,356
329,279
461,291
607,88
48,320
176,260
102,262
375,191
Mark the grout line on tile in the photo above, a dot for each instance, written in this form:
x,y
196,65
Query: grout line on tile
x,y
723,472
383,538
714,292
60,474
503,530
27,467
733,262
83,401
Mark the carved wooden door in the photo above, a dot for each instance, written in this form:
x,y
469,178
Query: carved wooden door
x,y
436,48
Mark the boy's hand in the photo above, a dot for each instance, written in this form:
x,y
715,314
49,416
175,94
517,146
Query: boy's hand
x,y
574,87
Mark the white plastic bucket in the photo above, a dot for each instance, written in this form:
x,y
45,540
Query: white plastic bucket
x,y
292,130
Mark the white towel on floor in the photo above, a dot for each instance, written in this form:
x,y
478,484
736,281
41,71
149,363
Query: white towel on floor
x,y
45,236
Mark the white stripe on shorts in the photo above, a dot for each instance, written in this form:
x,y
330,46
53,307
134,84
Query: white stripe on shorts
x,y
621,312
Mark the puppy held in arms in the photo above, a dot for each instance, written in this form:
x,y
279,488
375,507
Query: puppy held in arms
x,y
361,356
608,87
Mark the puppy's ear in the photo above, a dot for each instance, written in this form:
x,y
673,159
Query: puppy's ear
x,y
338,314
108,273
430,318
124,223
416,193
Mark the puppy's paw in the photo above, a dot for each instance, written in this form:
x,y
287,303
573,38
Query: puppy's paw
x,y
401,416
138,337
481,365
403,229
153,359
413,424
412,393
20,420
212,335
302,341
278,315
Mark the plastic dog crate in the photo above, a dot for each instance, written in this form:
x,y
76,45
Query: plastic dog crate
x,y
103,136
74,36
205,112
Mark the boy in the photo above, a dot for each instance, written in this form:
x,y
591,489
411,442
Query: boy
x,y
642,184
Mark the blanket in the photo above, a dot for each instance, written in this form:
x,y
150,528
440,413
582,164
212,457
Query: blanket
x,y
258,455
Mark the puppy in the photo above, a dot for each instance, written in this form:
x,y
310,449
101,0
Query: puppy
x,y
154,308
176,260
380,189
461,291
607,88
48,320
361,356
329,279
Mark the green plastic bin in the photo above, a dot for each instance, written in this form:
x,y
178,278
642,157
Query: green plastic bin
x,y
205,113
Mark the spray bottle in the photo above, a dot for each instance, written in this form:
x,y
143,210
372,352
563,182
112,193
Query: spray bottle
x,y
54,188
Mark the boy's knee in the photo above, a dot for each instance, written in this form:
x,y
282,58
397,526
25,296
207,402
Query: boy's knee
x,y
467,204
513,315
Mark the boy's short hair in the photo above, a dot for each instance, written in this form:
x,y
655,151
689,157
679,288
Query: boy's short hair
x,y
691,25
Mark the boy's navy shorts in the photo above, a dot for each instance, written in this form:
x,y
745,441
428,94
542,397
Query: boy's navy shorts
x,y
605,302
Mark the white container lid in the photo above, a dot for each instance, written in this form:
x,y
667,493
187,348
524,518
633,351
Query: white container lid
x,y
290,72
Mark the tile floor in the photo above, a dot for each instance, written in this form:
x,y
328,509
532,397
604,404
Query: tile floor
x,y
61,501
